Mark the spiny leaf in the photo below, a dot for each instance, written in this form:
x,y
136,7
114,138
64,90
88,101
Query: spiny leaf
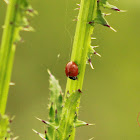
x,y
106,4
91,51
22,22
56,99
68,115
5,132
79,123
4,126
55,92
100,19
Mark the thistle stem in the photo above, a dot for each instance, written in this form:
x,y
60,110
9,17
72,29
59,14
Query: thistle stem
x,y
7,52
82,42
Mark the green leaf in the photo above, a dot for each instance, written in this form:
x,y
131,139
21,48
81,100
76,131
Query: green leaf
x,y
56,98
4,126
55,110
100,19
106,4
5,132
68,115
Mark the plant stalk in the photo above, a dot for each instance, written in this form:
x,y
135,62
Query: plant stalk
x,y
7,52
82,42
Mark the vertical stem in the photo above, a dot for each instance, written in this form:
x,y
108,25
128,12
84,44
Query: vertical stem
x,y
7,52
82,42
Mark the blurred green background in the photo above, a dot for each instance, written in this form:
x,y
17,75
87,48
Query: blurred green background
x,y
111,96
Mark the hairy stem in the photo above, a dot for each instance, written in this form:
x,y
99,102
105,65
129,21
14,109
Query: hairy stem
x,y
7,52
15,21
82,42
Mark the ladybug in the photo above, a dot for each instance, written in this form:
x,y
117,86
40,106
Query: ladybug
x,y
71,70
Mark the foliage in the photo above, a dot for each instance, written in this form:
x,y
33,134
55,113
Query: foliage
x,y
5,132
16,20
63,116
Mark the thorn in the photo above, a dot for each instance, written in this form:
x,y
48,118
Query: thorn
x,y
90,124
12,84
3,26
90,22
49,72
41,120
78,4
97,54
79,90
113,29
11,120
77,107
15,138
30,10
110,27
91,138
45,132
93,38
75,20
6,1
58,55
21,40
35,131
116,9
94,47
108,14
123,10
39,134
89,60
77,9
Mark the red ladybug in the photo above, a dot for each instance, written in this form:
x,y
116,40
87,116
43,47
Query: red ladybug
x,y
71,70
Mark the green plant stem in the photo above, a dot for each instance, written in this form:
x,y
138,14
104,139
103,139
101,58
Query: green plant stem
x,y
82,42
7,52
